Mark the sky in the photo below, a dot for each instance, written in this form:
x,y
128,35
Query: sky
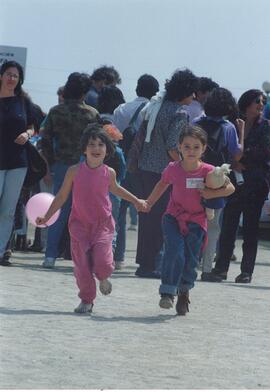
x,y
227,40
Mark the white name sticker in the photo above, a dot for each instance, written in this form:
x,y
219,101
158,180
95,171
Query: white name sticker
x,y
194,183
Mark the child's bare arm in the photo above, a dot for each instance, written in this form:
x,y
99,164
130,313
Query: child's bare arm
x,y
156,193
61,196
118,190
225,191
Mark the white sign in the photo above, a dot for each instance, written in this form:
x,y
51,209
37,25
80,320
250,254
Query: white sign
x,y
13,53
194,183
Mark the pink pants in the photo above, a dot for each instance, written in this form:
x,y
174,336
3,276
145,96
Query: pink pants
x,y
97,262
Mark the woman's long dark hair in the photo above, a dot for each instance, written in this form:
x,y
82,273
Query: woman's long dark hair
x,y
247,98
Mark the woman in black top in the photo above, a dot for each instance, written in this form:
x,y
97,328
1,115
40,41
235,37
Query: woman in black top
x,y
249,197
15,130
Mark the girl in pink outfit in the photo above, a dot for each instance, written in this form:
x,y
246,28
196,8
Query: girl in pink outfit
x,y
91,224
184,222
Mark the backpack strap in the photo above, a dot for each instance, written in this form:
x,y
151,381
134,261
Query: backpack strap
x,y
135,115
215,144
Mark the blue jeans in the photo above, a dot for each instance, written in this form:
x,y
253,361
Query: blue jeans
x,y
181,256
115,200
11,182
120,248
130,184
55,231
133,215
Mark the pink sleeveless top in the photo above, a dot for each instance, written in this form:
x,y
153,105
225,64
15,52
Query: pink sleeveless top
x,y
91,212
185,201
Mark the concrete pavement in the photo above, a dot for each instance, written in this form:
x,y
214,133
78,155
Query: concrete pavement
x,y
129,342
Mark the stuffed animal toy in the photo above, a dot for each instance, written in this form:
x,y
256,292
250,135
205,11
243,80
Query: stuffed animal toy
x,y
215,179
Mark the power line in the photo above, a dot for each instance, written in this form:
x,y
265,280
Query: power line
x,y
41,91
50,69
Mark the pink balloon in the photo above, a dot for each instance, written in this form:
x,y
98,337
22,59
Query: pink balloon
x,y
38,205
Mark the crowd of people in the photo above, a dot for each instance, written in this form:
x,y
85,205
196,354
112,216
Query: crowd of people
x,y
155,155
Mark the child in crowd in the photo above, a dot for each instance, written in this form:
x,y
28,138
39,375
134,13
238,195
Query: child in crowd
x,y
184,222
91,224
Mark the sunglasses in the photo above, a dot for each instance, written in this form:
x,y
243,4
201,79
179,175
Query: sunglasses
x,y
11,75
260,100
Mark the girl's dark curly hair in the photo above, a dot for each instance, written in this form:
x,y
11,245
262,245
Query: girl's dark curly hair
x,y
220,102
248,98
13,64
76,86
95,131
109,98
182,85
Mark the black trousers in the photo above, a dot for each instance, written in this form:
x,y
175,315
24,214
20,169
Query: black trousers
x,y
150,238
251,209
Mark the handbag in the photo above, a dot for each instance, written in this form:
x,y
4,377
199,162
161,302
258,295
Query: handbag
x,y
130,132
36,165
136,148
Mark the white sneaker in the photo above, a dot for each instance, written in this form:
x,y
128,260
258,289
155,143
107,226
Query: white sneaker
x,y
119,265
105,287
210,213
166,301
84,308
49,262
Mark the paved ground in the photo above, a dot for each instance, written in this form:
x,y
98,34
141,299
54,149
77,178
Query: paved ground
x,y
129,342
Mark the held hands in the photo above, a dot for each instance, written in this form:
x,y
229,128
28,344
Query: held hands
x,y
141,205
148,206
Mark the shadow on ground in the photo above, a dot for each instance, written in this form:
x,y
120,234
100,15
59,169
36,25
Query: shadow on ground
x,y
141,320
66,270
247,286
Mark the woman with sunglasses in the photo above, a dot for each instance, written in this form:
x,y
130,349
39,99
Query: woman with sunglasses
x,y
16,128
249,197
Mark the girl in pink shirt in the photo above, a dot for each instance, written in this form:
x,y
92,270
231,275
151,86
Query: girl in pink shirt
x,y
184,222
91,224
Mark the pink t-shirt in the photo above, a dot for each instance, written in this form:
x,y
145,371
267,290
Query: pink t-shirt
x,y
185,200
